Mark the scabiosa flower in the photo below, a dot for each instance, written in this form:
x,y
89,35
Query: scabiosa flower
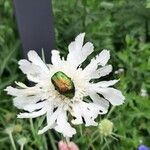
x,y
60,88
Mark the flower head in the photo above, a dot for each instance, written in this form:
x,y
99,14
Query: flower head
x,y
106,127
17,128
60,88
9,130
22,141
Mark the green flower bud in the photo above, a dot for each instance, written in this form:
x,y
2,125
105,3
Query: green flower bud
x,y
106,127
18,128
9,129
22,141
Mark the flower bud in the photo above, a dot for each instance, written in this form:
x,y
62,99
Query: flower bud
x,y
9,116
17,128
22,141
106,127
9,130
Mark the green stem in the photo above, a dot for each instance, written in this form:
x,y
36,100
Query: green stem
x,y
12,141
44,143
35,136
67,140
43,55
22,146
92,141
32,127
52,141
106,144
80,129
110,112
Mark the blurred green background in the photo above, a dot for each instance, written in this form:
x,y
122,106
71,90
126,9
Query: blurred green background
x,y
123,26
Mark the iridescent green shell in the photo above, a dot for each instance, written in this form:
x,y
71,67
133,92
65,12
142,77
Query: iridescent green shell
x,y
63,84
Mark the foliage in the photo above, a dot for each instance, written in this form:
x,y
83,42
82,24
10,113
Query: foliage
x,y
119,25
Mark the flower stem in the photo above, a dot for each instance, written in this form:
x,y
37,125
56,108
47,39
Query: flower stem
x,y
67,140
12,141
31,124
22,146
80,129
52,141
92,141
109,113
106,144
43,55
36,138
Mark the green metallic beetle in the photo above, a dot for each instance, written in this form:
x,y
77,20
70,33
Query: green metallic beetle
x,y
63,84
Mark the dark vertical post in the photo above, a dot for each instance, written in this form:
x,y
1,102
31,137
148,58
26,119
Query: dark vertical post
x,y
35,24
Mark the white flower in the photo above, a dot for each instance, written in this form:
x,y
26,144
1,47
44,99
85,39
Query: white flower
x,y
60,88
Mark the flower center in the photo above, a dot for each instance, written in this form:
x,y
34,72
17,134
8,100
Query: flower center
x,y
63,84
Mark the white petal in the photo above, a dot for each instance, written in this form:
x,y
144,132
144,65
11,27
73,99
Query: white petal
x,y
30,91
49,112
86,50
77,53
21,102
12,91
105,83
103,57
58,121
75,46
51,121
100,101
16,92
77,114
35,59
33,114
103,71
114,96
34,73
55,57
88,111
33,107
63,126
79,41
49,126
20,84
100,59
